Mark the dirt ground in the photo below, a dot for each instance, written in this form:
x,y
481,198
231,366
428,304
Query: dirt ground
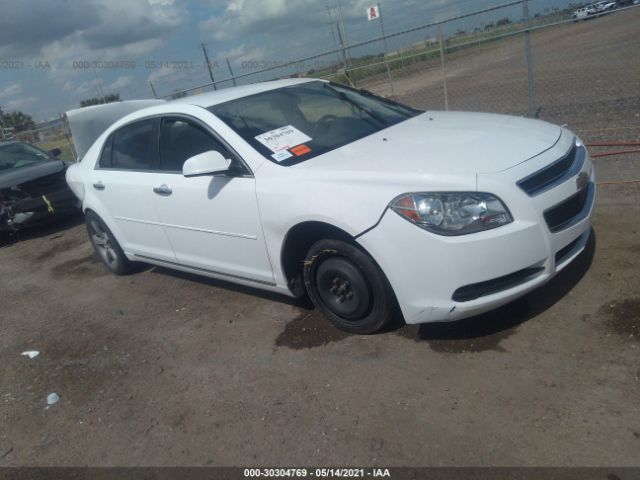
x,y
164,368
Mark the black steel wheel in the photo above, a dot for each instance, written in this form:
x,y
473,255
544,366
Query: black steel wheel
x,y
348,287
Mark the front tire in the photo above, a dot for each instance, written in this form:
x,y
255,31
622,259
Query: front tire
x,y
106,246
347,286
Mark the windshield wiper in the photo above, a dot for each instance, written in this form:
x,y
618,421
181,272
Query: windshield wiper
x,y
395,106
362,108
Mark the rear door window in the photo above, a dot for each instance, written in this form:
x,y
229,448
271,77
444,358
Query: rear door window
x,y
105,157
134,147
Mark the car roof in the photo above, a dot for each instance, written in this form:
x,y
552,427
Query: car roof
x,y
220,96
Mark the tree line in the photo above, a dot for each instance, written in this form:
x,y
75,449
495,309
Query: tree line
x,y
20,121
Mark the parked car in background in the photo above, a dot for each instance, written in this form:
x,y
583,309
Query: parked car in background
x,y
305,186
604,7
33,189
583,13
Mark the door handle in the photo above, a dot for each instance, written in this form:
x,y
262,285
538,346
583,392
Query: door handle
x,y
162,190
98,186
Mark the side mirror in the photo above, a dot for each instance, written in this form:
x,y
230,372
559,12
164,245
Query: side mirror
x,y
206,163
55,152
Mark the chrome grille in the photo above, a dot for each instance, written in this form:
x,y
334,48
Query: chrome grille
x,y
555,173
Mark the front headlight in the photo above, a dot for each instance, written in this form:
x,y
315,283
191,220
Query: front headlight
x,y
455,213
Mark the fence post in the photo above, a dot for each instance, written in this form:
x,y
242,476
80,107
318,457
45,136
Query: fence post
x,y
233,77
206,59
386,51
527,48
444,68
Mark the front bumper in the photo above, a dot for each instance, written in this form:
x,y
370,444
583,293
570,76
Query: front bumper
x,y
438,278
34,211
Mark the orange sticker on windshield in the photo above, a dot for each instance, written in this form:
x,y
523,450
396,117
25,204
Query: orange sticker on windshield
x,y
300,150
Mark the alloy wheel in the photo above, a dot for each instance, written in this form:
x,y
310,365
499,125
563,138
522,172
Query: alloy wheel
x,y
103,244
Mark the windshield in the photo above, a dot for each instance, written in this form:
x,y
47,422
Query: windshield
x,y
292,124
16,155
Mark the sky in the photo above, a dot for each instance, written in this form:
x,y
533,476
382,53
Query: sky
x,y
53,54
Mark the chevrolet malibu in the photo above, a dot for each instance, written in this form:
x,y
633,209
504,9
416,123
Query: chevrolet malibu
x,y
364,204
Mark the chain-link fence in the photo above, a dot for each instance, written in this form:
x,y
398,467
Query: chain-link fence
x,y
53,134
517,58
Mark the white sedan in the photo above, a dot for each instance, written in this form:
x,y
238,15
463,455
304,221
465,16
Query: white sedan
x,y
366,205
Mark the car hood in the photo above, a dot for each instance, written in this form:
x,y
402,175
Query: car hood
x,y
443,143
17,176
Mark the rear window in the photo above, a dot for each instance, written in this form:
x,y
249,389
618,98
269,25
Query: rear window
x,y
293,124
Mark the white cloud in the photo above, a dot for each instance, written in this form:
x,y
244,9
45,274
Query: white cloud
x,y
131,21
120,82
167,80
13,89
19,103
108,32
247,16
243,53
93,24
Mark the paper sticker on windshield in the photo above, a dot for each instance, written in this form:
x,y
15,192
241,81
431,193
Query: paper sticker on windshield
x,y
300,150
282,138
280,156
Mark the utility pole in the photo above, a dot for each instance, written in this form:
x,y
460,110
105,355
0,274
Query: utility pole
x,y
331,25
344,52
206,59
100,90
343,35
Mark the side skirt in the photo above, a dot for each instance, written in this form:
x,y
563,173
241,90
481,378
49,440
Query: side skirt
x,y
259,284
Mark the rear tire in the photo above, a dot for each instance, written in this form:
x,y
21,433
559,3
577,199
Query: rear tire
x,y
347,286
106,246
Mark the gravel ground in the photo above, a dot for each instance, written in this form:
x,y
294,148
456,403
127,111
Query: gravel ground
x,y
163,368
